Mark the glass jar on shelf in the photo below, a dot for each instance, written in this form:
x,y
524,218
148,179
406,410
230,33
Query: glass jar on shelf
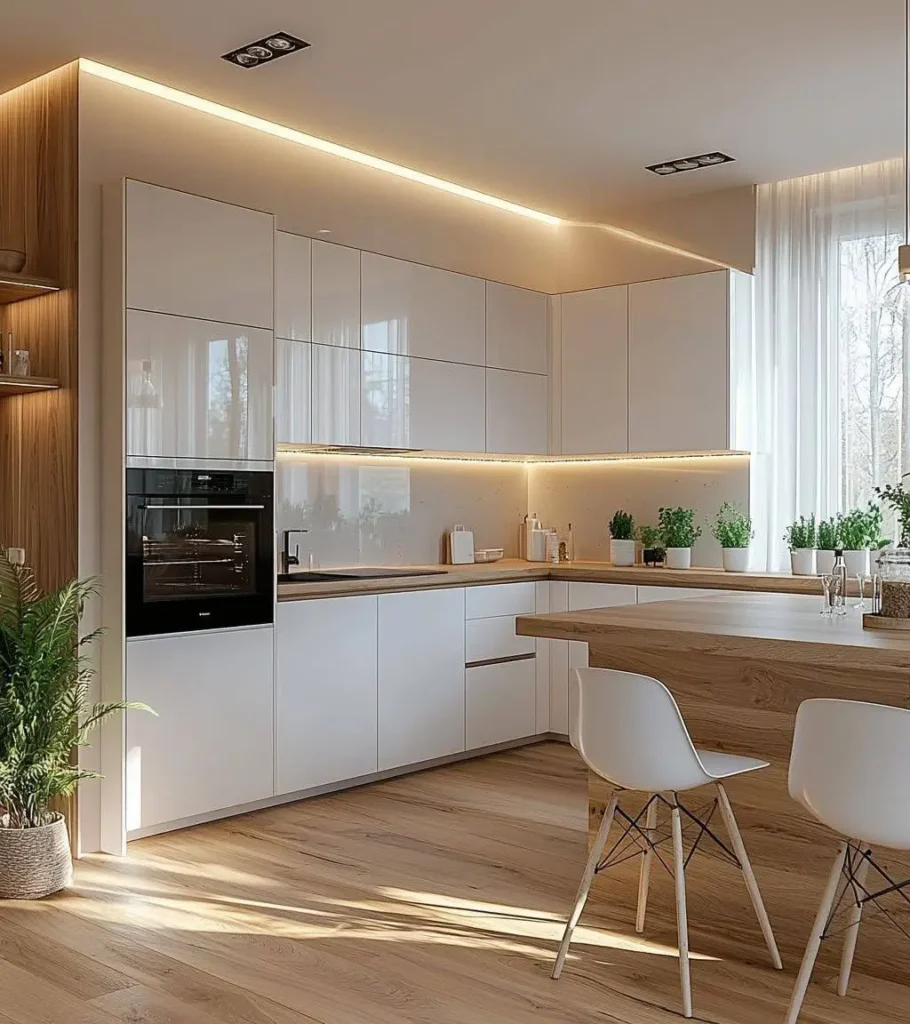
x,y
891,586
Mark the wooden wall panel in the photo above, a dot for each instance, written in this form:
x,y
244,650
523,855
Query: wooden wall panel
x,y
39,214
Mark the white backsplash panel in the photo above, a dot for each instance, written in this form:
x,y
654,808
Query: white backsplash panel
x,y
588,493
387,511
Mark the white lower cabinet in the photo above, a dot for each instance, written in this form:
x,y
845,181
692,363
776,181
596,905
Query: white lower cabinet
x,y
421,676
500,702
210,746
326,674
646,594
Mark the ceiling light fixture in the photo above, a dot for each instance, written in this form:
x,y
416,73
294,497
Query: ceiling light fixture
x,y
690,163
281,131
263,50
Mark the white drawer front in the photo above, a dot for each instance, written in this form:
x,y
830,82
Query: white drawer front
x,y
499,599
495,638
599,595
499,703
674,593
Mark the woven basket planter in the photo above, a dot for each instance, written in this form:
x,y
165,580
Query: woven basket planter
x,y
34,862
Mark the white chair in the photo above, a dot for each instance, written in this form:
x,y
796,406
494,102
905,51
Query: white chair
x,y
629,730
849,768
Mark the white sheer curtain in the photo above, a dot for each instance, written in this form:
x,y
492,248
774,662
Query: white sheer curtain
x,y
830,364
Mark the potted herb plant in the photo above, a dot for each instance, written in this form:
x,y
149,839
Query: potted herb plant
x,y
44,715
622,538
855,530
899,500
829,540
732,529
678,533
802,540
652,552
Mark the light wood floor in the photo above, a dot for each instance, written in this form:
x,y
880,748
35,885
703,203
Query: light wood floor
x,y
437,898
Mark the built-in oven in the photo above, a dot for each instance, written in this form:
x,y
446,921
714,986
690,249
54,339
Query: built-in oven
x,y
199,549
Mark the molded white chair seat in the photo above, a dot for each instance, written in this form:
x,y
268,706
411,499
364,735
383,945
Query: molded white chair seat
x,y
849,767
628,729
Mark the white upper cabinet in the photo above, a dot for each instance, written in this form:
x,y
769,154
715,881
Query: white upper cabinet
x,y
335,394
594,371
326,691
410,309
197,257
679,331
198,389
422,403
516,329
336,295
516,413
293,391
293,286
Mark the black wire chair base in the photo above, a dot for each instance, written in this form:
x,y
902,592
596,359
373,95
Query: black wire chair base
x,y
856,892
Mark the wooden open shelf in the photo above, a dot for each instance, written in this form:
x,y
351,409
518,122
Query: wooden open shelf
x,y
16,287
26,385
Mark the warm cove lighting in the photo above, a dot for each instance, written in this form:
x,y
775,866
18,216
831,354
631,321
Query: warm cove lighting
x,y
281,131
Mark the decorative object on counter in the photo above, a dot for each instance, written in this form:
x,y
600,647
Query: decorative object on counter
x,y
678,533
732,529
488,554
11,261
652,552
891,592
44,714
21,364
461,545
829,540
802,540
899,500
552,547
622,538
834,586
531,526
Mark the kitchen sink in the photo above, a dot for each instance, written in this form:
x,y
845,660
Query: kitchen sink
x,y
337,575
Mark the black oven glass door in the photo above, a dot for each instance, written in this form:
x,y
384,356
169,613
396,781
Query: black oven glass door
x,y
198,560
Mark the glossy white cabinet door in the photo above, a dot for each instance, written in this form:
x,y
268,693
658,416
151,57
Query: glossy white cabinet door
x,y
516,329
542,661
499,703
336,394
496,599
293,286
421,676
594,376
422,403
678,364
646,594
326,691
336,294
196,257
559,664
293,391
198,389
410,309
210,748
516,413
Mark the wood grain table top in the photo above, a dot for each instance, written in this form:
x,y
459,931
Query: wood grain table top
x,y
782,627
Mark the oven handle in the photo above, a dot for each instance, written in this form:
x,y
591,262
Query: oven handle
x,y
210,508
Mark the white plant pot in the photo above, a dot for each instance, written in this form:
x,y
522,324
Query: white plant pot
x,y
802,562
824,562
622,552
857,562
736,559
679,558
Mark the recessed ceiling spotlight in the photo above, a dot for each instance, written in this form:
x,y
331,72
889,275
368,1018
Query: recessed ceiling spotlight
x,y
689,163
264,50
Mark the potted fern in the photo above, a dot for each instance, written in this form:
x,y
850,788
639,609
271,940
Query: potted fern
x,y
622,538
44,716
732,529
829,541
652,553
802,539
678,533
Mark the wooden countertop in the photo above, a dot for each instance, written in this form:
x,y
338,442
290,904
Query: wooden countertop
x,y
514,570
776,627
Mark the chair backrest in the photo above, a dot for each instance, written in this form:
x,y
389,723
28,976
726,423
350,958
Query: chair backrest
x,y
850,766
628,729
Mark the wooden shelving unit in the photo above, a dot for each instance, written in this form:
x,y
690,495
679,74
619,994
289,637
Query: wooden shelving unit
x,y
10,386
16,287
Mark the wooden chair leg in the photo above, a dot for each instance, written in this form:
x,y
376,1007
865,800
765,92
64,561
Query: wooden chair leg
x,y
852,932
815,936
644,877
682,923
586,879
739,849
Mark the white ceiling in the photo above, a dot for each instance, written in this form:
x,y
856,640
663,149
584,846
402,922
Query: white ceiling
x,y
558,105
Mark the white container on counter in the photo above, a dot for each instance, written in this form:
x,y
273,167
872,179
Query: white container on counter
x,y
802,562
537,545
736,559
622,552
857,562
679,558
